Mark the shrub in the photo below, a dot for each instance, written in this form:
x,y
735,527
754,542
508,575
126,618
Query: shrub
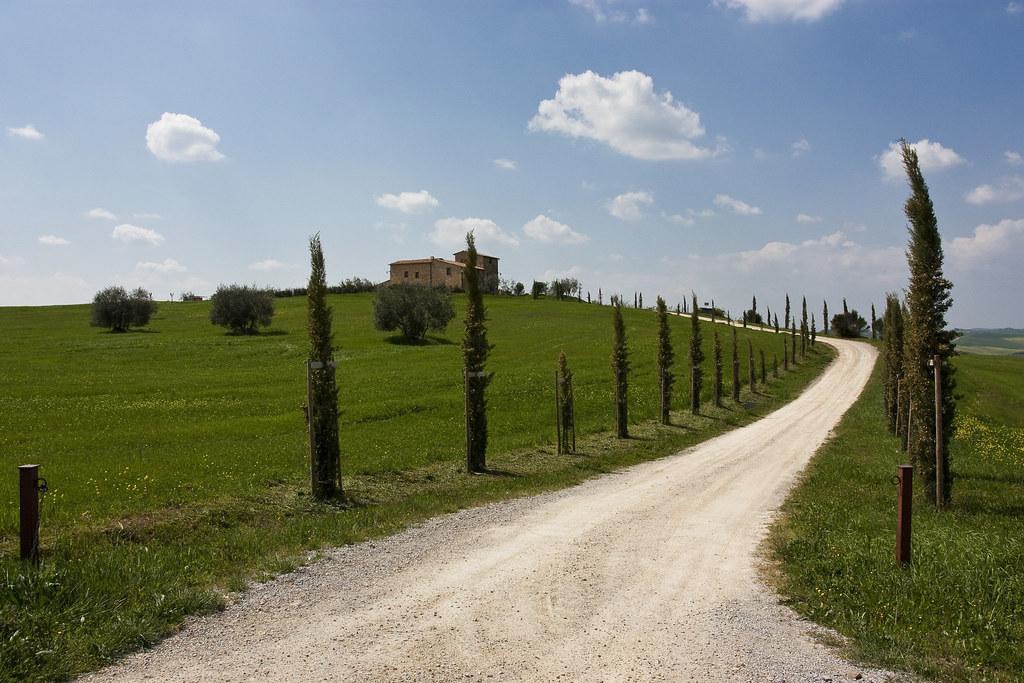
x,y
353,285
539,289
242,308
412,309
849,324
118,310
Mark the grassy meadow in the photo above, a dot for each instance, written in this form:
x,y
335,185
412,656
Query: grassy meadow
x,y
177,460
957,614
1000,342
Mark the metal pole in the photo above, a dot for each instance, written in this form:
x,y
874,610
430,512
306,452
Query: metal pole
x,y
940,464
904,502
28,484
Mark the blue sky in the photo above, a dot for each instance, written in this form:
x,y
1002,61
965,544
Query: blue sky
x,y
731,147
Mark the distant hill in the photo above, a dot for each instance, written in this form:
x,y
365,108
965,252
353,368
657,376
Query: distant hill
x,y
1006,341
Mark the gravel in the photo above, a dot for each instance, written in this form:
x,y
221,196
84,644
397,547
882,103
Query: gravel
x,y
648,574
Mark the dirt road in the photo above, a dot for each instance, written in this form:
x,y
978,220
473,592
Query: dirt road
x,y
648,574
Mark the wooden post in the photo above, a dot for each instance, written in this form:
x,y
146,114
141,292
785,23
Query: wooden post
x,y
940,464
28,488
904,503
558,417
310,413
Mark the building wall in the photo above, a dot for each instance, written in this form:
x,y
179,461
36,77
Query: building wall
x,y
435,273
490,266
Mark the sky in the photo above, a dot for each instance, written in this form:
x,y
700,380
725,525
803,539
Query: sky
x,y
731,148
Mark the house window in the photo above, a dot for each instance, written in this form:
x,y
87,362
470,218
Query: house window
x,y
448,270
417,275
407,273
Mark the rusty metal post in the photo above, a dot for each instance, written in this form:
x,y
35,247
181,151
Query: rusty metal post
x,y
28,484
904,502
940,463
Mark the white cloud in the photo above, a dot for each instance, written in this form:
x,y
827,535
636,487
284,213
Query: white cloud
x,y
800,147
268,265
782,10
807,218
168,265
826,254
506,164
1013,158
679,219
180,137
1009,190
627,206
931,156
53,241
133,234
100,213
544,229
1015,8
736,206
451,232
602,11
27,132
625,113
409,202
986,242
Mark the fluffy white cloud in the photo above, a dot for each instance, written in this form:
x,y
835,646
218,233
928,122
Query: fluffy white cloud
x,y
506,164
168,265
100,213
451,232
544,229
628,206
782,10
133,234
1013,158
53,241
807,218
268,265
409,202
27,132
625,113
931,156
736,206
800,147
679,219
1010,190
602,11
986,242
180,137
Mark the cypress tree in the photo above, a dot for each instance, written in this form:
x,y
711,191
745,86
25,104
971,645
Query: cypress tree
x,y
718,371
874,334
786,320
679,309
785,354
712,310
600,297
804,330
792,337
735,367
753,307
925,333
892,338
776,323
814,331
323,408
475,350
696,359
641,299
620,370
751,368
824,317
665,358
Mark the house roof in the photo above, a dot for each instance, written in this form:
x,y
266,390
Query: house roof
x,y
412,261
464,251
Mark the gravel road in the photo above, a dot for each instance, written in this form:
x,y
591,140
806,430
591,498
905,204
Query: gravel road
x,y
648,574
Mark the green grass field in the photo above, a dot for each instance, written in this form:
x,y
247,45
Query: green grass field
x,y
177,457
1001,342
957,614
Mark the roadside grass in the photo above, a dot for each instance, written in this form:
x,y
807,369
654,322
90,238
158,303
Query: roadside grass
x,y
178,465
957,614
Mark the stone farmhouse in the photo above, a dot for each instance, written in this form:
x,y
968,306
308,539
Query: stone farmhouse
x,y
439,272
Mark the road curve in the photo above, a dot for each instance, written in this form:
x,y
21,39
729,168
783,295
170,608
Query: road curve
x,y
647,574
